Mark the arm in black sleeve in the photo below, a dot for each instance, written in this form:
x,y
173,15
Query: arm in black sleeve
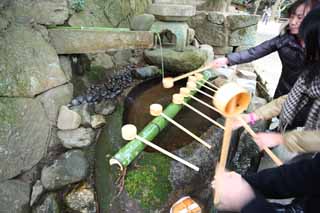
x,y
258,204
293,180
254,53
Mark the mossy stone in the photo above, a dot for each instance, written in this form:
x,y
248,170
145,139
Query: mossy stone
x,y
149,183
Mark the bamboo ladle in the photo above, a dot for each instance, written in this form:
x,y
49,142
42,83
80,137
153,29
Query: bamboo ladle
x,y
129,132
169,81
156,110
179,99
193,86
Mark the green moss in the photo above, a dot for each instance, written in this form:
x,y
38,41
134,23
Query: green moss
x,y
149,182
96,73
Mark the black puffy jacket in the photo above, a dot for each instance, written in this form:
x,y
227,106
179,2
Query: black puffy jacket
x,y
291,55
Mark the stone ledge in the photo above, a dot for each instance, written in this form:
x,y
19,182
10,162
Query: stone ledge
x,y
73,41
172,12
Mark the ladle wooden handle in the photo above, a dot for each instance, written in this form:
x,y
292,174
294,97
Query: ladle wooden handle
x,y
224,152
167,153
191,73
186,131
275,159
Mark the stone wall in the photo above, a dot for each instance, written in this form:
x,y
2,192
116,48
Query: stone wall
x,y
226,32
34,83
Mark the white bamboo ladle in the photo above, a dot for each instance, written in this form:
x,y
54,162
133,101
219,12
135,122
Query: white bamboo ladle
x,y
156,110
129,132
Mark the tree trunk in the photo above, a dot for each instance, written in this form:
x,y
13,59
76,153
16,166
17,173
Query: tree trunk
x,y
275,9
257,5
227,5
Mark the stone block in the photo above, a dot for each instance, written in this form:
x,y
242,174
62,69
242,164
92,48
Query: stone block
x,y
208,32
172,12
183,2
142,22
190,59
243,36
87,40
217,17
237,21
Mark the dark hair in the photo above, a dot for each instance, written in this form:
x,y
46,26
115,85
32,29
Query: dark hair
x,y
293,7
310,33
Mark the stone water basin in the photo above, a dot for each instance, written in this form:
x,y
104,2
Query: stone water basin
x,y
153,182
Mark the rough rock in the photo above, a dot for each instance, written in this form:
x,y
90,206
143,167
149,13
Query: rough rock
x,y
191,59
217,17
121,58
65,64
47,12
84,110
147,72
105,107
187,181
208,32
142,22
68,119
111,14
53,99
70,167
100,61
37,191
28,64
243,36
49,205
97,121
81,200
77,138
24,135
237,21
14,196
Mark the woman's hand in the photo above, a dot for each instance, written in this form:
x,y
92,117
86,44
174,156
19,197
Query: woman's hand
x,y
268,139
233,191
219,62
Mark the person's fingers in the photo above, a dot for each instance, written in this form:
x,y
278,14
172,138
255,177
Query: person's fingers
x,y
213,184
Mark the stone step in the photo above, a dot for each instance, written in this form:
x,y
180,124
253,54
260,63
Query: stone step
x,y
183,2
86,40
172,12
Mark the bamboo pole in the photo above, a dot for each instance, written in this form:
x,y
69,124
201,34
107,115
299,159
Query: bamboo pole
x,y
129,132
225,146
275,159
